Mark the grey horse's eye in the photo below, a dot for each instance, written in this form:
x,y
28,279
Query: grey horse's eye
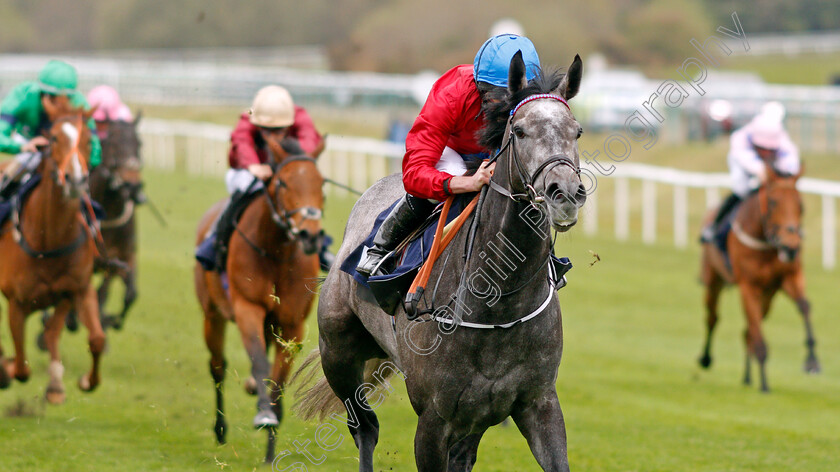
x,y
580,132
518,132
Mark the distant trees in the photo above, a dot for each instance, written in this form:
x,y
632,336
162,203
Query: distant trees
x,y
399,35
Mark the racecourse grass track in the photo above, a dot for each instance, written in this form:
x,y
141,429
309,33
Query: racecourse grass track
x,y
633,396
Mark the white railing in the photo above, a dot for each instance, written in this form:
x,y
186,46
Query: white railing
x,y
201,149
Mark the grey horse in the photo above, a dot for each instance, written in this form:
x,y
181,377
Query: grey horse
x,y
461,378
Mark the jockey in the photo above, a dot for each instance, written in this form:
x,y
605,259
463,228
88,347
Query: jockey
x,y
762,142
443,136
109,107
22,112
273,115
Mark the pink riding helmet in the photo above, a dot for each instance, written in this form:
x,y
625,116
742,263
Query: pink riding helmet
x,y
766,132
109,105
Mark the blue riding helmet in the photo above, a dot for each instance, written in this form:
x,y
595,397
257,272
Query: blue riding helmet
x,y
492,62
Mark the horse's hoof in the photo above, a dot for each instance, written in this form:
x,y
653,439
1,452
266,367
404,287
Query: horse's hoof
x,y
55,396
5,379
251,386
265,419
812,366
41,342
705,361
86,385
220,428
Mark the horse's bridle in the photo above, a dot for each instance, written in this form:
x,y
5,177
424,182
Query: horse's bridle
x,y
530,195
282,217
764,218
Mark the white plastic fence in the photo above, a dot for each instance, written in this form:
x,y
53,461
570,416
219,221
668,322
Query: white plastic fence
x,y
201,149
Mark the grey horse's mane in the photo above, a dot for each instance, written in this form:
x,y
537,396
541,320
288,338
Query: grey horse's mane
x,y
496,114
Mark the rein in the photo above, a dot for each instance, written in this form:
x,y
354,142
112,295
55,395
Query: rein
x,y
764,242
282,219
531,197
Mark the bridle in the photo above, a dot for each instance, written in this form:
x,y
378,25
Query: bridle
x,y
530,195
283,217
129,192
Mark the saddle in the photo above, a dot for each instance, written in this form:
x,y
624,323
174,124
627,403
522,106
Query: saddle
x,y
413,259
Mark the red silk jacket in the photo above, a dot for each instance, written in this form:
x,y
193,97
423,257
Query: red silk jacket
x,y
246,144
450,117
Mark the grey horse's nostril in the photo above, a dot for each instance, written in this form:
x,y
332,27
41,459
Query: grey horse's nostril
x,y
553,192
580,195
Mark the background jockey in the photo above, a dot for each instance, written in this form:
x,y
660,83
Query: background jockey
x,y
273,116
22,112
109,107
443,136
762,142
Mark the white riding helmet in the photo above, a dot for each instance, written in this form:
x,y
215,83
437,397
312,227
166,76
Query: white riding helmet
x,y
273,108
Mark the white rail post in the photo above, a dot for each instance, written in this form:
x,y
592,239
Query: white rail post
x,y
648,211
828,232
712,197
622,208
680,216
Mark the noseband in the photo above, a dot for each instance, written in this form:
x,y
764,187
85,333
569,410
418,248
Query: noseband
x,y
530,196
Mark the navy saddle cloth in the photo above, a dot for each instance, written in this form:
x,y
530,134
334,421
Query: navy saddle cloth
x,y
390,289
412,257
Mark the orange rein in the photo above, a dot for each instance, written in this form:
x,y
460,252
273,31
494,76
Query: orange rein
x,y
63,164
440,243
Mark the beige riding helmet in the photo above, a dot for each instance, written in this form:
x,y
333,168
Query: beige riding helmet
x,y
273,108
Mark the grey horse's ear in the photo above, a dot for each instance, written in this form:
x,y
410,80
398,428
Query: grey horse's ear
x,y
516,74
138,117
570,85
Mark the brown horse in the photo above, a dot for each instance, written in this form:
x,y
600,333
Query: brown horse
x,y
272,268
117,184
764,250
47,253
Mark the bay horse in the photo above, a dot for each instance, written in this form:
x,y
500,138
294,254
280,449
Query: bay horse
x,y
117,184
764,249
47,253
462,379
272,268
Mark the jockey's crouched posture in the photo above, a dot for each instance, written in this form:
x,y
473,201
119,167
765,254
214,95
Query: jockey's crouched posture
x,y
273,116
443,136
22,112
762,142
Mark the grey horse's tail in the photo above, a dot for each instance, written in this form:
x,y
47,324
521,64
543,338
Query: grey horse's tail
x,y
315,398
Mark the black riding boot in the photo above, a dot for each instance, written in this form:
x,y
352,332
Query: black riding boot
x,y
225,226
725,209
403,219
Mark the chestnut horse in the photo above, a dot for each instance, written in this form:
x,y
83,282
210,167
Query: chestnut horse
x,y
764,250
272,268
47,253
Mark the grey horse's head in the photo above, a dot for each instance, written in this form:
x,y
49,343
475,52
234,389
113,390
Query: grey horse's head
x,y
544,159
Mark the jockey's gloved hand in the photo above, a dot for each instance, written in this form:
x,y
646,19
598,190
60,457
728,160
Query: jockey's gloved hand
x,y
34,144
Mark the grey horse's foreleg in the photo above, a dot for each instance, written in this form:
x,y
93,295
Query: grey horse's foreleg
x,y
464,453
543,426
431,443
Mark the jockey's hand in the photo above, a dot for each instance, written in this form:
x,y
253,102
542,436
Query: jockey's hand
x,y
261,171
473,183
34,144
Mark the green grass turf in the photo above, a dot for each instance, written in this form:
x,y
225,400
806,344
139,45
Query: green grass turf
x,y
633,396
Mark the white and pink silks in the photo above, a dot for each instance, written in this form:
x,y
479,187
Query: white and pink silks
x,y
767,131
